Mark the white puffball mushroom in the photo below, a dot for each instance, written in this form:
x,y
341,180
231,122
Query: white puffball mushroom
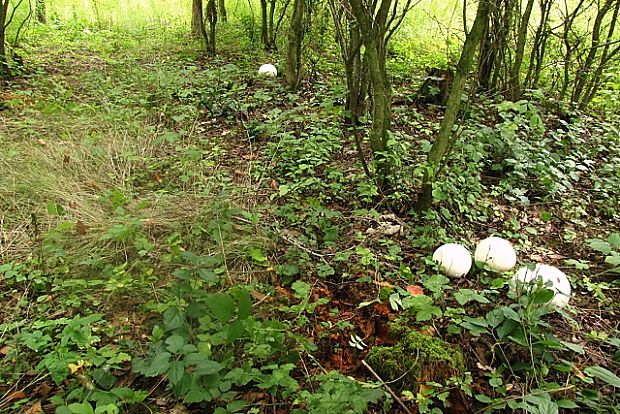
x,y
268,70
496,253
453,259
560,285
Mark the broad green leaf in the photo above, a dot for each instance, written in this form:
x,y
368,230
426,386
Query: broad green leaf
x,y
173,318
603,374
614,240
599,245
613,259
175,373
244,305
568,404
195,395
510,313
495,317
208,276
222,306
257,255
159,364
574,347
464,296
175,343
81,408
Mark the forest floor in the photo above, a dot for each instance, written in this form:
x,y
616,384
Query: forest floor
x,y
139,175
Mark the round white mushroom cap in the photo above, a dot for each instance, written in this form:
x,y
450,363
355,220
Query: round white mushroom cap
x,y
454,260
548,275
496,253
268,70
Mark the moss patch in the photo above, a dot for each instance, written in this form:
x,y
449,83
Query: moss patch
x,y
415,359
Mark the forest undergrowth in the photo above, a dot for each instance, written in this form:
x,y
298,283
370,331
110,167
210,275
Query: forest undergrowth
x,y
178,234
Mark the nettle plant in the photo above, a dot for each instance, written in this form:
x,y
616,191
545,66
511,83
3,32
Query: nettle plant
x,y
211,345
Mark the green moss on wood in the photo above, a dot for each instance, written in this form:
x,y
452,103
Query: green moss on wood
x,y
416,358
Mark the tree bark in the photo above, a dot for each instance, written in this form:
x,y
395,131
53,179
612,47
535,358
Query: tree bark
x,y
294,63
212,18
373,30
444,138
223,13
5,71
515,72
197,19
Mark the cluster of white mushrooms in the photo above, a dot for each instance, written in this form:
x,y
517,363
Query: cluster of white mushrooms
x,y
268,70
498,254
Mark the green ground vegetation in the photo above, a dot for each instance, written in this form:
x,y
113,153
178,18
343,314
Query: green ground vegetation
x,y
180,235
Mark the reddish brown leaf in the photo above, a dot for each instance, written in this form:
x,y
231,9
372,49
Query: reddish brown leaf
x,y
415,290
16,395
382,309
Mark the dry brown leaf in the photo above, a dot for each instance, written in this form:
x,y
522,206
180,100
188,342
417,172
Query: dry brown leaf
x,y
383,284
34,408
258,295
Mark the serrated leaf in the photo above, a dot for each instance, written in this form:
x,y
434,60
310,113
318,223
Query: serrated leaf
x,y
603,374
176,371
614,240
208,276
464,296
222,306
599,245
194,396
175,343
159,364
173,318
613,259
244,305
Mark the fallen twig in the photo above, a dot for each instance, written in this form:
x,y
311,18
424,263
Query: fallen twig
x,y
372,371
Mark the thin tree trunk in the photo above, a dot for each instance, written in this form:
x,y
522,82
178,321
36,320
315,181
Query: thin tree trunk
x,y
5,71
294,64
444,138
40,11
373,32
197,19
223,13
515,80
212,18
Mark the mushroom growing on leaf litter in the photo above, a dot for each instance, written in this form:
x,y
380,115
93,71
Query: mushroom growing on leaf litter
x,y
496,253
453,259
